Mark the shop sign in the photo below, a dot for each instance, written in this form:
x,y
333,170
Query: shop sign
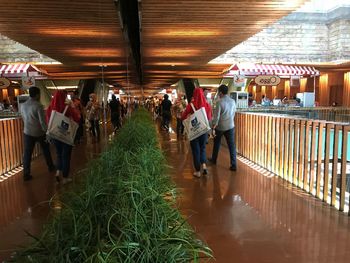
x,y
4,83
28,82
267,80
239,81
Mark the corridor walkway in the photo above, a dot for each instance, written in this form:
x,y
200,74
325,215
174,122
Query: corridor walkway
x,y
23,205
245,216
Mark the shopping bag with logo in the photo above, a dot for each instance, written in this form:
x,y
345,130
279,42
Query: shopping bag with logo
x,y
197,123
61,127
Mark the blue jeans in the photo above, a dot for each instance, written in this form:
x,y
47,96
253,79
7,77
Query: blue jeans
x,y
63,152
29,144
230,139
198,151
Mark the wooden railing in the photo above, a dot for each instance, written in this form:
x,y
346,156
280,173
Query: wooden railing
x,y
11,144
310,154
338,114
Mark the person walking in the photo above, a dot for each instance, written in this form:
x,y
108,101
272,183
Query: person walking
x,y
198,145
63,150
93,108
223,125
166,112
77,104
179,107
115,108
32,112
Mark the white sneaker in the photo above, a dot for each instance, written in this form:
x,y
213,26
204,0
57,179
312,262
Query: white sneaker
x,y
205,169
67,180
197,174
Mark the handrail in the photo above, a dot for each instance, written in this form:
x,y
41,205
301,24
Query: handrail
x,y
336,114
11,145
310,154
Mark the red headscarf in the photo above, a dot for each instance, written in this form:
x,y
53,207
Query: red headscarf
x,y
58,103
198,101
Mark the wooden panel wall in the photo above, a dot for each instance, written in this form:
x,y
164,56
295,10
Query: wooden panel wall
x,y
324,90
346,93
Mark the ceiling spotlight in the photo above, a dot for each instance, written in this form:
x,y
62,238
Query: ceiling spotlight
x,y
173,65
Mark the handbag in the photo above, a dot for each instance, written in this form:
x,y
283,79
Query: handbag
x,y
196,124
61,127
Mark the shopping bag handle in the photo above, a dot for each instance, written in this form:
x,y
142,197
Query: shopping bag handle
x,y
193,108
65,109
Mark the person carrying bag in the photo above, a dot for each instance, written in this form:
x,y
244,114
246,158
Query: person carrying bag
x,y
63,122
61,127
196,119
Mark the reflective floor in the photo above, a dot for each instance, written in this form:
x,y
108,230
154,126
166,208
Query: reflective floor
x,y
24,205
244,216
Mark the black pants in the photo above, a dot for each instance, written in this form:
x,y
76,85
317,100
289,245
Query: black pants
x,y
29,144
166,119
179,126
95,127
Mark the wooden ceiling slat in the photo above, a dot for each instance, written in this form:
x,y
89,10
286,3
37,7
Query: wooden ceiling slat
x,y
167,55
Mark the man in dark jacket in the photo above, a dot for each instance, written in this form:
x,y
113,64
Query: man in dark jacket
x,y
166,112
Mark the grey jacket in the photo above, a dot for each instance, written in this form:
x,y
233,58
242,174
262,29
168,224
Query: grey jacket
x,y
224,113
33,116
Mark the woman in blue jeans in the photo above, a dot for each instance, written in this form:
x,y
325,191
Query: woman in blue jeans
x,y
63,150
198,145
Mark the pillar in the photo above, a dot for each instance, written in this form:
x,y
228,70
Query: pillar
x,y
324,90
346,94
287,88
189,88
303,83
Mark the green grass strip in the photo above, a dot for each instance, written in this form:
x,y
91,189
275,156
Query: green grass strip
x,y
124,210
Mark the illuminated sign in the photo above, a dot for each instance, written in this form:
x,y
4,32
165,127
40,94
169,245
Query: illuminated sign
x,y
267,80
4,83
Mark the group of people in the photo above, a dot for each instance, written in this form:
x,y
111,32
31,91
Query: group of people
x,y
222,124
35,127
36,121
221,120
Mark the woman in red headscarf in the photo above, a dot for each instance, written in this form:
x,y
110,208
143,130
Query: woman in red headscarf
x,y
63,150
198,145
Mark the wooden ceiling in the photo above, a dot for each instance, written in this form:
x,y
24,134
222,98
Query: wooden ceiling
x,y
178,38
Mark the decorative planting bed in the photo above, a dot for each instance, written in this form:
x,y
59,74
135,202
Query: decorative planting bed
x,y
124,210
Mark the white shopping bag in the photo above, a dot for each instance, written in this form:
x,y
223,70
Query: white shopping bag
x,y
61,127
197,123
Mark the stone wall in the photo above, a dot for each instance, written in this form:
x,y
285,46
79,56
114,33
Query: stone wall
x,y
298,38
12,51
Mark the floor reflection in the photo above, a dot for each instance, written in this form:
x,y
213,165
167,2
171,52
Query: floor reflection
x,y
24,206
247,217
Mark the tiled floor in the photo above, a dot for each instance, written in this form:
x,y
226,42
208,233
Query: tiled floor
x,y
244,216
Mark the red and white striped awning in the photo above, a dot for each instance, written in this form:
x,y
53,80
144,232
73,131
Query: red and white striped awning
x,y
270,69
20,69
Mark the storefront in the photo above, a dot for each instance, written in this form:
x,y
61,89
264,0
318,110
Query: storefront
x,y
274,81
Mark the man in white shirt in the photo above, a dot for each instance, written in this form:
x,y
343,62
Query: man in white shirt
x,y
32,112
223,125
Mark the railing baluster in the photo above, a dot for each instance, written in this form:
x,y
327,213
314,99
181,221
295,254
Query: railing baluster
x,y
335,165
326,162
312,156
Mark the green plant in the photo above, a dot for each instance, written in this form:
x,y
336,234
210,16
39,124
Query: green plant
x,y
124,209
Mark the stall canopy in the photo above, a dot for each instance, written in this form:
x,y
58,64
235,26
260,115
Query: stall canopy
x,y
20,69
270,69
